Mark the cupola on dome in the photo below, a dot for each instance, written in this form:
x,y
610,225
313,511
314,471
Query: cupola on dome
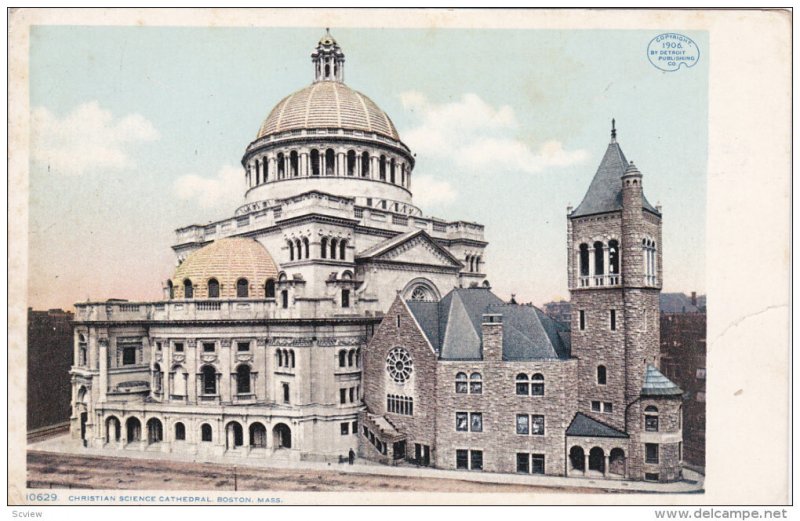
x,y
231,267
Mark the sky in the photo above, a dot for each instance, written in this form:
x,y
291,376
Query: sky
x,y
137,131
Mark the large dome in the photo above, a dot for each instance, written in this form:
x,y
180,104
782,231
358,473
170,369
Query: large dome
x,y
227,260
328,104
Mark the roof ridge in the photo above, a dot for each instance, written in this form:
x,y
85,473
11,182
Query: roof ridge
x,y
308,103
366,110
338,105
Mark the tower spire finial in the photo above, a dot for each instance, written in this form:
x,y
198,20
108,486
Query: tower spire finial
x,y
613,129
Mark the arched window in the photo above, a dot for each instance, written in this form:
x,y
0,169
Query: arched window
x,y
205,432
651,418
281,166
242,288
419,293
171,288
305,248
330,162
342,358
365,164
209,377
188,290
601,374
323,248
523,388
266,170
315,162
461,383
293,170
351,162
478,264
351,358
358,357
382,169
613,257
598,258
391,171
291,250
584,256
243,379
333,248
342,246
213,288
269,290
279,357
180,431
291,357
402,174
537,385
475,383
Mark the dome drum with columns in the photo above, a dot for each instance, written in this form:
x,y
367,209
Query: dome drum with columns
x,y
328,137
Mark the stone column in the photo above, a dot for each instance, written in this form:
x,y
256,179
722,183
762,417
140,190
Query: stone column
x,y
605,467
191,368
103,362
605,261
585,463
374,167
341,164
304,164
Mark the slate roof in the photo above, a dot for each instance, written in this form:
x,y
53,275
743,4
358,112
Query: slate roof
x,y
656,384
678,303
605,192
583,425
453,327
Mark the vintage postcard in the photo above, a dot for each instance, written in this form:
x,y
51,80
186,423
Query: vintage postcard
x,y
331,256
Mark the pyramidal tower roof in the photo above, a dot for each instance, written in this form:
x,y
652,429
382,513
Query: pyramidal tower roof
x,y
656,384
605,192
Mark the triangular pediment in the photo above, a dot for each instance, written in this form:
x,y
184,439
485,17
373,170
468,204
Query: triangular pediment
x,y
411,248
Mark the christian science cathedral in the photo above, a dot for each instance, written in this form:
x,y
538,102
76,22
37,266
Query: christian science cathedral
x,y
328,316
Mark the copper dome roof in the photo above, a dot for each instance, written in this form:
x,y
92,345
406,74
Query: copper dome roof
x,y
227,260
328,104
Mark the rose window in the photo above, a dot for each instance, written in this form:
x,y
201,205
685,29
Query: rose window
x,y
399,364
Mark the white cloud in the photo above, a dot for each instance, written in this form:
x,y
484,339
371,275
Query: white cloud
x,y
430,191
474,135
223,190
88,138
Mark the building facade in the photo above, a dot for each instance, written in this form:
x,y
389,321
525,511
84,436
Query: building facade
x,y
256,347
473,383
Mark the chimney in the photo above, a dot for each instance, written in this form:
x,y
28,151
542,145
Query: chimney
x,y
492,332
694,298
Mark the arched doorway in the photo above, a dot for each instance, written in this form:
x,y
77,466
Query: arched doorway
x,y
113,429
155,431
577,460
133,430
282,436
616,462
597,460
234,435
258,436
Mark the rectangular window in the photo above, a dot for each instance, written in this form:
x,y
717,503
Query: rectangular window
x,y
650,476
344,428
596,406
523,463
243,346
352,394
476,422
461,387
522,388
651,423
523,425
342,395
651,452
158,346
82,350
613,320
462,459
476,460
475,387
462,422
345,298
209,347
607,407
179,347
285,392
129,355
537,425
354,428
582,318
365,431
537,463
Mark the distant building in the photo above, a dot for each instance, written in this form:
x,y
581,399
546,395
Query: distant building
x,y
683,360
49,355
558,311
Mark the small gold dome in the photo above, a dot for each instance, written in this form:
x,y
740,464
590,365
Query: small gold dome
x,y
227,261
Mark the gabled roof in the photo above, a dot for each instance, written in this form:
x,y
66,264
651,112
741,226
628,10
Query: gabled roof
x,y
453,327
583,425
678,303
384,249
656,384
605,192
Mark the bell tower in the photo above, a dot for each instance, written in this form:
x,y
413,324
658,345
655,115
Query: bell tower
x,y
328,59
614,269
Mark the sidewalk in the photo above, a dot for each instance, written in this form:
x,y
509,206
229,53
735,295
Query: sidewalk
x,y
692,483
